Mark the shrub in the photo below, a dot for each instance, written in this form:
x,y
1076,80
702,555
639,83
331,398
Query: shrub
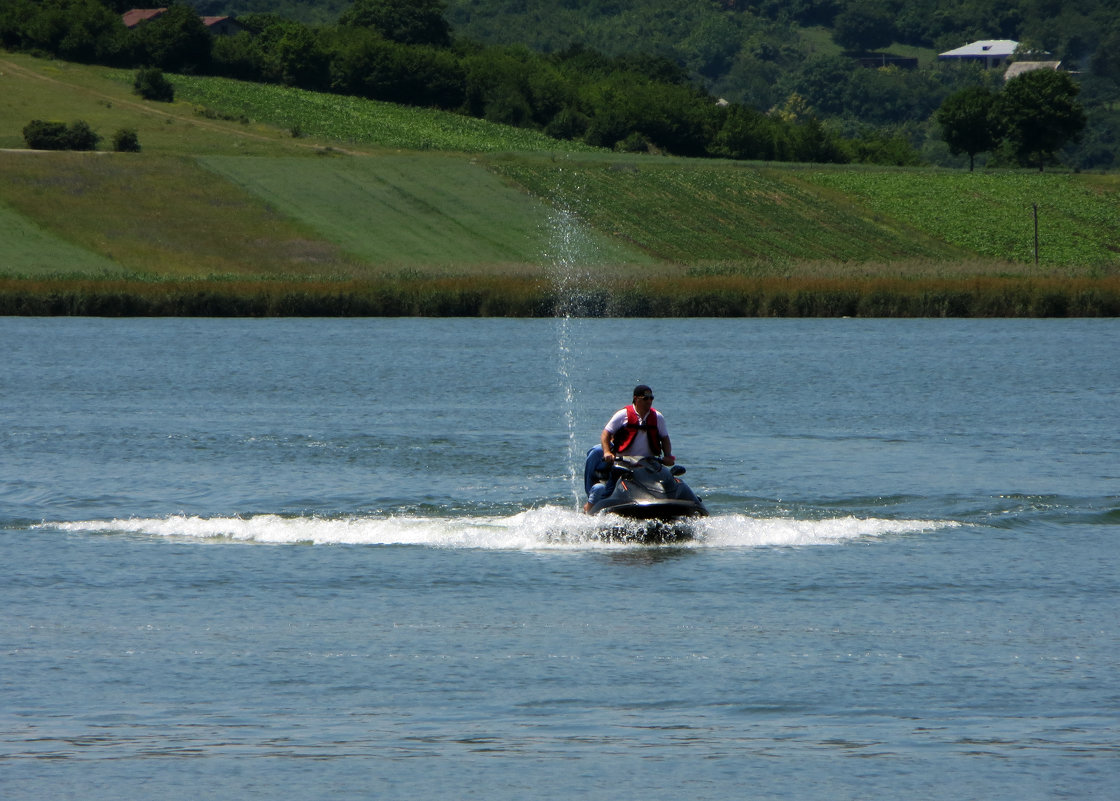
x,y
633,143
81,137
44,135
126,141
151,84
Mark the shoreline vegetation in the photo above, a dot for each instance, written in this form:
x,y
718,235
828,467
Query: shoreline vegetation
x,y
524,297
370,209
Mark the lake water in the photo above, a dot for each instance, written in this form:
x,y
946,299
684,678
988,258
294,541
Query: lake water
x,y
297,559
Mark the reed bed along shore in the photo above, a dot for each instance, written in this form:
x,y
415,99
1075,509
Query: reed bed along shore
x,y
718,296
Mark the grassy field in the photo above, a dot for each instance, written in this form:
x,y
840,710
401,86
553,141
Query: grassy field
x,y
378,209
992,215
429,212
30,250
161,216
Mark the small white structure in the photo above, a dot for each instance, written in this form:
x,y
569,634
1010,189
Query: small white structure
x,y
989,52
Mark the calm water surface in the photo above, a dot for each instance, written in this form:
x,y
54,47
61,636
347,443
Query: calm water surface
x,y
306,559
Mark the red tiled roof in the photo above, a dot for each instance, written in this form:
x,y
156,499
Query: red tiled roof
x,y
135,16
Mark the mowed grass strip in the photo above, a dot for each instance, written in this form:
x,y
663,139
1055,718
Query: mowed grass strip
x,y
436,212
28,250
161,215
694,212
992,215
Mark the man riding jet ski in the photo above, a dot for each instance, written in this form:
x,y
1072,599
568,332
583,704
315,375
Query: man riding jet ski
x,y
631,473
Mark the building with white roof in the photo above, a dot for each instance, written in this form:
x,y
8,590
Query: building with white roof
x,y
989,52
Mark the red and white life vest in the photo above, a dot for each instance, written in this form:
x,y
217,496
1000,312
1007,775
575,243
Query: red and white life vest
x,y
625,435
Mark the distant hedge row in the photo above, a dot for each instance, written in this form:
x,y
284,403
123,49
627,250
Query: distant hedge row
x,y
503,297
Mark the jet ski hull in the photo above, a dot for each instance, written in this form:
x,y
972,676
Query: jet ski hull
x,y
646,490
655,510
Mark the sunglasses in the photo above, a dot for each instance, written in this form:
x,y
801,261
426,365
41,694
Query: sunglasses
x,y
643,397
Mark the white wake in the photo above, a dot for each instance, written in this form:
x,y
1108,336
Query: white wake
x,y
546,527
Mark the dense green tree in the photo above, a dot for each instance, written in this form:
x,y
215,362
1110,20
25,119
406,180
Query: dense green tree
x,y
1040,115
876,146
969,123
749,134
238,56
889,95
76,30
151,84
298,58
673,119
864,25
1106,60
126,140
821,81
814,142
175,41
45,135
80,136
365,64
403,21
497,85
569,123
94,34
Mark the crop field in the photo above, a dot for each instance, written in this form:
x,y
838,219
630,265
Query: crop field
x,y
695,213
352,120
992,215
431,212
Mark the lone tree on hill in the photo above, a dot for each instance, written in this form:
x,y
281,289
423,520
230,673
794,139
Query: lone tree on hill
x,y
1040,114
968,124
151,84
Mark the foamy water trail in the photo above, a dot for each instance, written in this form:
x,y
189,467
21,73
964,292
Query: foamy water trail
x,y
541,528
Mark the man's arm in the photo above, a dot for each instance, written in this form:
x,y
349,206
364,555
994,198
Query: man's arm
x,y
667,456
605,441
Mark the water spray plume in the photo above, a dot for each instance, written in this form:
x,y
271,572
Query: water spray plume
x,y
570,251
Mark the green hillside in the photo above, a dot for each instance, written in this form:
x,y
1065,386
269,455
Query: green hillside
x,y
225,211
29,249
426,212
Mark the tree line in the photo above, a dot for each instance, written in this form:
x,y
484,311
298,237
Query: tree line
x,y
1030,120
405,51
760,53
402,51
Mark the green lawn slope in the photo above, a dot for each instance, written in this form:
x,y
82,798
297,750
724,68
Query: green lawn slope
x,y
269,200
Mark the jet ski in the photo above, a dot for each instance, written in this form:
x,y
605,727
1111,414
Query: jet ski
x,y
651,494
